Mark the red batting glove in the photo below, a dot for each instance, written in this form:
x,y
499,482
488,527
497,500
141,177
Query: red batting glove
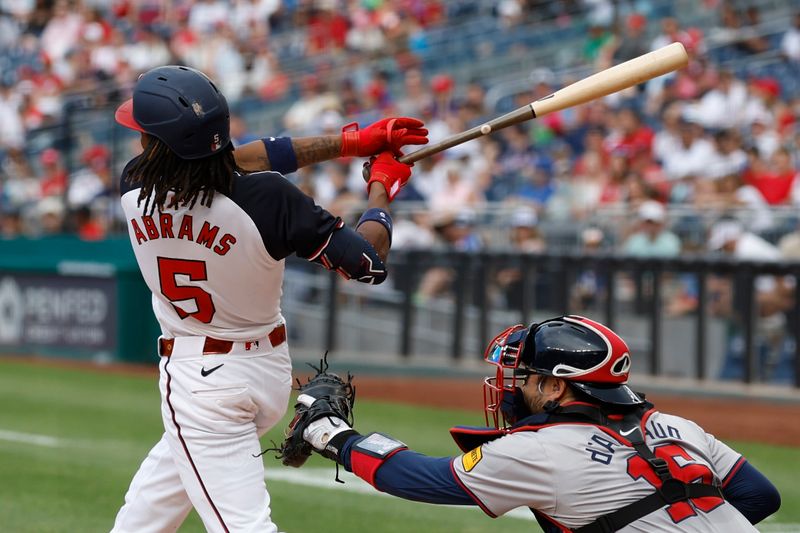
x,y
387,134
389,172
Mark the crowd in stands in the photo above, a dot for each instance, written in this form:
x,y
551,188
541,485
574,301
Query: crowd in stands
x,y
705,137
642,172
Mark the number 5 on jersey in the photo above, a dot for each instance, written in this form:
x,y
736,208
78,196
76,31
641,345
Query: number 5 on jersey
x,y
168,269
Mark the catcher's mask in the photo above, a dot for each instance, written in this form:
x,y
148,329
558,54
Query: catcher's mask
x,y
588,355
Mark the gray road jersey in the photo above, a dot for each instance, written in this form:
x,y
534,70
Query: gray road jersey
x,y
575,473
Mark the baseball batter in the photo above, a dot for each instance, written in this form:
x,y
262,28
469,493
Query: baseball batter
x,y
570,441
210,230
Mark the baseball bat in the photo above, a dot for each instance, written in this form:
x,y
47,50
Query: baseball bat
x,y
603,83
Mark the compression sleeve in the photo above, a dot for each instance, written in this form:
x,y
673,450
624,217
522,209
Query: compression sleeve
x,y
751,493
414,476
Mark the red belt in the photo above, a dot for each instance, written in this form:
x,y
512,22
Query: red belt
x,y
217,346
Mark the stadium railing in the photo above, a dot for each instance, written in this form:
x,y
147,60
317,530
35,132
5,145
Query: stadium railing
x,y
629,294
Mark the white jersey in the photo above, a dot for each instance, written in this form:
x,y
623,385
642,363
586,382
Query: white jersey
x,y
574,473
194,260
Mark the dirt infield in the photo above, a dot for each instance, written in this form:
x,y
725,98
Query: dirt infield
x,y
740,419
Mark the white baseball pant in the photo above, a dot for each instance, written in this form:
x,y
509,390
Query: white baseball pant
x,y
214,408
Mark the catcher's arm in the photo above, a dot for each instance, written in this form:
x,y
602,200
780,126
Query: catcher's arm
x,y
384,462
323,422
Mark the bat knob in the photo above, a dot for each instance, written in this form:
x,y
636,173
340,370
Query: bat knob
x,y
366,170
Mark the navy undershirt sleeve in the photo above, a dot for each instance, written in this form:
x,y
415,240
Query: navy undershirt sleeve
x,y
414,476
752,494
289,221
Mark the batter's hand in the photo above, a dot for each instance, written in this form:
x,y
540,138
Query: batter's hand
x,y
387,134
387,171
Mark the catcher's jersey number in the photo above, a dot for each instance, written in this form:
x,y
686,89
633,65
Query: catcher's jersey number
x,y
168,269
683,467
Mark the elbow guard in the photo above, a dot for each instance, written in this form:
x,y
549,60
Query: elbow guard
x,y
352,256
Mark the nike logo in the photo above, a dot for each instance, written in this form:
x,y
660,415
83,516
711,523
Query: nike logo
x,y
205,372
626,433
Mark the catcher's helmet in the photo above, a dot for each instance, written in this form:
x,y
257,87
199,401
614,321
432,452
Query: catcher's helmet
x,y
180,106
587,354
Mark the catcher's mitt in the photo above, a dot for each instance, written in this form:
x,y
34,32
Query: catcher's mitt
x,y
334,398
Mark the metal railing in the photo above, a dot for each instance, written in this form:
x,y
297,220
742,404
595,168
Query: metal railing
x,y
465,318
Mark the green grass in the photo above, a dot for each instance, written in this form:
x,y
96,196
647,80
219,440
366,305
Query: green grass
x,y
106,423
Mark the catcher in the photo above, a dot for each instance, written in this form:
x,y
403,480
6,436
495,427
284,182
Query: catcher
x,y
570,441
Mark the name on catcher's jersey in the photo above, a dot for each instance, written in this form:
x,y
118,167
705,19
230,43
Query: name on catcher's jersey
x,y
218,271
575,473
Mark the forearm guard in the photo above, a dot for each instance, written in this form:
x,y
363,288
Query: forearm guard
x,y
352,256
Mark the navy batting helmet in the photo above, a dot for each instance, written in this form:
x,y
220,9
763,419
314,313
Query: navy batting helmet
x,y
587,354
181,107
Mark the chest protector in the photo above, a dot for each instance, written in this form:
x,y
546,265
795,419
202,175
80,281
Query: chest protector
x,y
671,491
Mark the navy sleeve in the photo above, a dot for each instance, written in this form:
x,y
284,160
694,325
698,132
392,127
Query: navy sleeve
x,y
289,221
413,476
752,493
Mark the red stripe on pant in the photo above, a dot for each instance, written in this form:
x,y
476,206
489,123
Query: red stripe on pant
x,y
186,450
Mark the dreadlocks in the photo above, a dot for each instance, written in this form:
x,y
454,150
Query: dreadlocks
x,y
160,171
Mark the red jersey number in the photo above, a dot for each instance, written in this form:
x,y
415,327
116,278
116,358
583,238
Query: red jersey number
x,y
682,466
168,268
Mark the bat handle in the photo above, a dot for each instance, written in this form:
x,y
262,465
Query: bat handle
x,y
514,117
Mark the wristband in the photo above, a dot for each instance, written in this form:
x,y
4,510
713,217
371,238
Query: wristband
x,y
379,215
280,153
349,140
368,454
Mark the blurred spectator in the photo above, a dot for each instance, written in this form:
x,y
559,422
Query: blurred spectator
x,y
88,227
775,180
790,42
763,136
50,212
327,28
536,187
455,232
415,95
670,33
207,15
773,296
53,179
652,239
750,38
240,133
12,130
721,107
314,99
590,285
631,43
10,223
93,180
413,231
630,138
598,37
728,157
524,234
789,245
457,193
332,190
691,156
733,192
523,237
730,237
